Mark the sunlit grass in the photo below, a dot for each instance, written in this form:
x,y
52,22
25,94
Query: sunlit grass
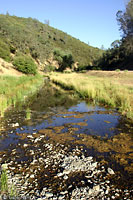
x,y
7,187
14,89
28,114
104,90
3,181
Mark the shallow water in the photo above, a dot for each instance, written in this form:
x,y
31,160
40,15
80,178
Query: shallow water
x,y
87,119
102,131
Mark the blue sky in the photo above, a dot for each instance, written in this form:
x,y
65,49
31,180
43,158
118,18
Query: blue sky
x,y
92,21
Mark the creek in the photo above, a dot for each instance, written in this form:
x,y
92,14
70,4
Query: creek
x,y
64,119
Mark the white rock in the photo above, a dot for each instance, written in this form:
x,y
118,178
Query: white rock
x,y
29,136
48,195
16,124
110,171
65,177
32,176
25,145
96,187
94,164
60,174
4,166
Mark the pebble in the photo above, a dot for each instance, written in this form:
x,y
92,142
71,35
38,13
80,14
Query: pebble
x,y
48,195
110,171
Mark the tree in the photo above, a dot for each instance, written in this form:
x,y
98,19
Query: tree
x,y
115,44
125,20
121,54
64,59
102,47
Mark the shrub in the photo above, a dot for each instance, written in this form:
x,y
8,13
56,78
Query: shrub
x,y
125,70
117,70
25,64
4,51
49,68
96,68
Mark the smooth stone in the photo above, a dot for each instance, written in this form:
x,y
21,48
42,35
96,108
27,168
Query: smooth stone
x,y
65,177
48,195
60,174
110,171
25,145
32,176
96,188
16,124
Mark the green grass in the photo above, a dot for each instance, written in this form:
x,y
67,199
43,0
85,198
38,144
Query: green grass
x,y
5,187
106,91
28,114
14,89
3,181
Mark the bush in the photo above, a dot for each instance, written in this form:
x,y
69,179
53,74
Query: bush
x,y
4,51
81,68
49,68
25,64
117,70
96,68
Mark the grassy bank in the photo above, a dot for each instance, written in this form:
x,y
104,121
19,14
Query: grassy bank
x,y
112,89
14,89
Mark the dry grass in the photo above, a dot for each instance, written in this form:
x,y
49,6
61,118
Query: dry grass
x,y
114,89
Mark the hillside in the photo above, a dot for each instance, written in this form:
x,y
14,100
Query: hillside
x,y
31,37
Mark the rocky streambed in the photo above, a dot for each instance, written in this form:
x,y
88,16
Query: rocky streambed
x,y
65,150
58,171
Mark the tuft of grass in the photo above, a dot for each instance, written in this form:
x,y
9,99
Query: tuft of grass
x,y
3,181
5,187
28,114
104,90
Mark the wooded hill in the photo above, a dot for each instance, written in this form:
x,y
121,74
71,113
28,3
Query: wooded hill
x,y
27,36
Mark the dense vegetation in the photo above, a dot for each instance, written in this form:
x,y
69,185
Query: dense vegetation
x,y
39,41
121,54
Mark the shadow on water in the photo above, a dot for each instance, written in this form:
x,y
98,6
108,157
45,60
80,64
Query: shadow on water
x,y
63,118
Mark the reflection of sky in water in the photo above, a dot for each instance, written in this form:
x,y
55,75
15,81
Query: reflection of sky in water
x,y
97,124
101,124
9,139
83,107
